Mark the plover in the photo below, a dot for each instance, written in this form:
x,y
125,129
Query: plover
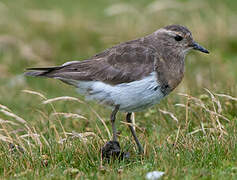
x,y
130,76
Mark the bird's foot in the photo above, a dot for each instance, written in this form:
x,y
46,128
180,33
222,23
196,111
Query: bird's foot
x,y
112,150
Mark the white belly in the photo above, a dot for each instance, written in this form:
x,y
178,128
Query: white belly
x,y
132,97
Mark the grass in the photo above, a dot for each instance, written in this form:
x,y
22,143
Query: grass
x,y
190,135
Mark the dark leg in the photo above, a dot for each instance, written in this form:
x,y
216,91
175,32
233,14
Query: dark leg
x,y
112,148
112,118
128,118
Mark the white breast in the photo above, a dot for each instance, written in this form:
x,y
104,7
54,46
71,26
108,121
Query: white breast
x,y
132,97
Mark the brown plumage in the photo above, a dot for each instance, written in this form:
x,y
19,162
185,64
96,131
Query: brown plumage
x,y
161,52
128,62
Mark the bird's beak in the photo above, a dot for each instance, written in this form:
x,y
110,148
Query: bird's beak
x,y
198,47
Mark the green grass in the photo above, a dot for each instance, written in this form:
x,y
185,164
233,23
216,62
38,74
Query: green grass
x,y
201,145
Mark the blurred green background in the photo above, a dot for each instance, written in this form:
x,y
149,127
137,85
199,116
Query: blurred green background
x,y
50,32
42,33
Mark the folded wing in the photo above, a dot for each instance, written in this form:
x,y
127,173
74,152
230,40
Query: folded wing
x,y
126,62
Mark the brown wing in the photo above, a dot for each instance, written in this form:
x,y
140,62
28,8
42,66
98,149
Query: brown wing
x,y
123,63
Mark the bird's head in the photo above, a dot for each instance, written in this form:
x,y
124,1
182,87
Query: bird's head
x,y
177,38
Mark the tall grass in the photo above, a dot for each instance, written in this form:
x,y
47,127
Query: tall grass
x,y
205,125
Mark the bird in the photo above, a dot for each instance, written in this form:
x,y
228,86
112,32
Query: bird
x,y
131,76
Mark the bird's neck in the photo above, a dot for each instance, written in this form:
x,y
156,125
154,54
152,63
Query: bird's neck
x,y
170,67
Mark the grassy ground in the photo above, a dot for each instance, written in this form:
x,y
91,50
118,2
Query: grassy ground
x,y
190,135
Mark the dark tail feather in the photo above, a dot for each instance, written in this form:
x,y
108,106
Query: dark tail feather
x,y
40,71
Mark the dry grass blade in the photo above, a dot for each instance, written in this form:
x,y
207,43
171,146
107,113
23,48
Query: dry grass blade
x,y
170,114
35,93
62,98
189,108
13,116
103,122
49,101
215,100
202,105
190,97
187,96
5,139
213,112
81,136
35,137
180,105
227,96
216,114
132,124
203,128
30,145
219,110
2,121
29,135
198,102
84,134
177,136
4,107
46,142
69,115
198,130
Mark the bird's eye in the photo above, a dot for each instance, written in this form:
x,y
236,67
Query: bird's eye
x,y
178,38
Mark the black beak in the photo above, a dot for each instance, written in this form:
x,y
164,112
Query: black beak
x,y
198,47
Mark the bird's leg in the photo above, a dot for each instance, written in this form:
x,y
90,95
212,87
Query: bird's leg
x,y
112,118
128,118
112,148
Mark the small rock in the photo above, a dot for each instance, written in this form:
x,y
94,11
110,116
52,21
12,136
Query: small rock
x,y
154,175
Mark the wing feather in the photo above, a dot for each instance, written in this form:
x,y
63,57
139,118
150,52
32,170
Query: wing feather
x,y
123,63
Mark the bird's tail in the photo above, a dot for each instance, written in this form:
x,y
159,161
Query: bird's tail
x,y
41,72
